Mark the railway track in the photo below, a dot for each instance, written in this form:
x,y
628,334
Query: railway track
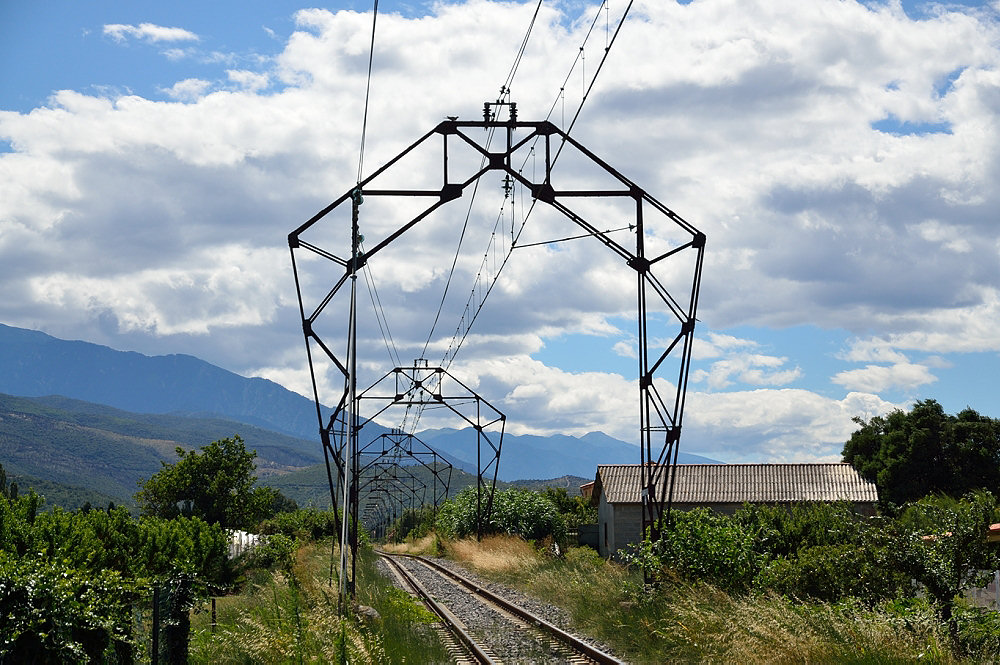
x,y
482,627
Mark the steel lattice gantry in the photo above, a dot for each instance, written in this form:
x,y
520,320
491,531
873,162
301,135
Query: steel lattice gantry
x,y
403,448
663,241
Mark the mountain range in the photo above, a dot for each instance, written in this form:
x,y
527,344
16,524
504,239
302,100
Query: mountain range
x,y
33,364
82,414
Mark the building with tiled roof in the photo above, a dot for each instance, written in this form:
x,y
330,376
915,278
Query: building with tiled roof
x,y
723,488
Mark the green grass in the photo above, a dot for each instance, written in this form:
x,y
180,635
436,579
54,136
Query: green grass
x,y
700,624
291,616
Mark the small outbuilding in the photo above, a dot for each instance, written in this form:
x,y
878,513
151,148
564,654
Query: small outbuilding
x,y
723,488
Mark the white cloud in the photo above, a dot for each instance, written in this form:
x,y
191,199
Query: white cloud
x,y
748,368
148,32
626,349
878,378
222,288
872,350
188,90
247,80
951,237
775,425
740,361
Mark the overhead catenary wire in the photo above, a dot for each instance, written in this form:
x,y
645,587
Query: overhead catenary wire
x,y
504,94
368,87
505,91
473,304
380,317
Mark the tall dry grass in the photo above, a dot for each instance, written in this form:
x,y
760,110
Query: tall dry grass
x,y
427,545
701,624
499,555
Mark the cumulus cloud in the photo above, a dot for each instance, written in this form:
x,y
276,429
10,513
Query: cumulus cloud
x,y
784,131
148,32
731,358
224,287
247,80
776,425
188,89
878,378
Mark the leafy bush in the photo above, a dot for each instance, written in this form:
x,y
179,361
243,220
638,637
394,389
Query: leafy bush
x,y
702,546
59,614
575,510
304,524
832,573
413,524
944,548
978,630
516,512
68,580
781,531
278,551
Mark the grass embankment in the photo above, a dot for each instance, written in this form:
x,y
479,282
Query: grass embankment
x,y
291,616
698,623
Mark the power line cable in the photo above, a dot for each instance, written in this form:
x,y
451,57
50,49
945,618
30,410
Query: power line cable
x,y
368,87
504,93
455,346
380,317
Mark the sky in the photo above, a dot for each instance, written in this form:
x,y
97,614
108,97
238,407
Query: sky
x,y
842,158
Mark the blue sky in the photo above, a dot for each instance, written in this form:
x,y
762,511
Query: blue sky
x,y
841,157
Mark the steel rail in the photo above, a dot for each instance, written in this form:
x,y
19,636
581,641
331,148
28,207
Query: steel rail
x,y
570,640
453,623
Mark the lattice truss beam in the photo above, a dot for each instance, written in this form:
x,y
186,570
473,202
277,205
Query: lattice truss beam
x,y
665,257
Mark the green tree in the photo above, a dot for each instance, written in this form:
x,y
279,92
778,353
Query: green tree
x,y
7,491
216,485
926,451
943,545
575,509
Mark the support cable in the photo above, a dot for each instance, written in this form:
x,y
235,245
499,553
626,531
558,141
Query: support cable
x,y
505,90
504,94
380,317
472,304
368,87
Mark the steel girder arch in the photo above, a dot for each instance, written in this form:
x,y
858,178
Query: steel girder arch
x,y
397,488
398,445
375,515
662,394
423,387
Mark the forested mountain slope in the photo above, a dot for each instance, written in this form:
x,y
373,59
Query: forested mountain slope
x,y
108,450
33,364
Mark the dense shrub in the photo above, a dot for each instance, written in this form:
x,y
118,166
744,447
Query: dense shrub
x,y
278,551
413,523
69,580
304,524
575,510
833,573
944,548
781,531
516,512
53,613
978,630
702,546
